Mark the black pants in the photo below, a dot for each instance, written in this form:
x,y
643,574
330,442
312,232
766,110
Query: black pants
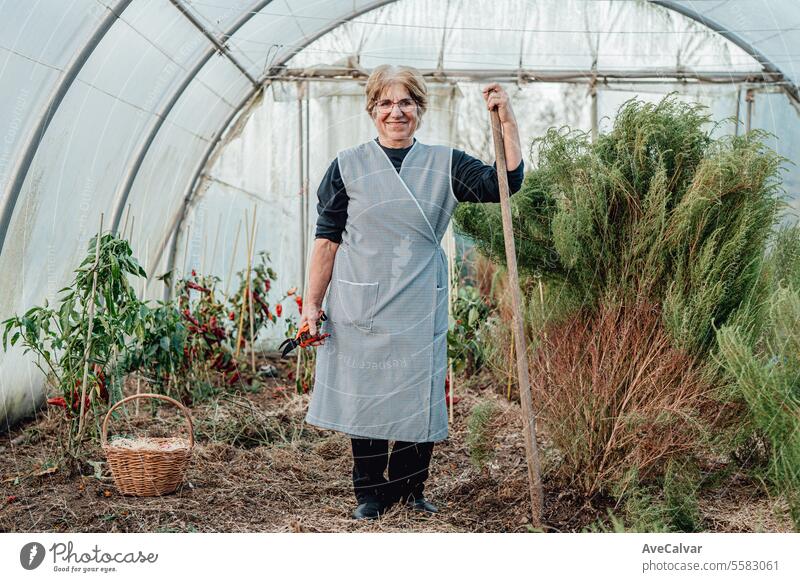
x,y
408,468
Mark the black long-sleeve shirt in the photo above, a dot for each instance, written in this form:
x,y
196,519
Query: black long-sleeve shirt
x,y
473,181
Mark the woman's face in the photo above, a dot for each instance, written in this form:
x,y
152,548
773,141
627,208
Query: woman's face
x,y
396,122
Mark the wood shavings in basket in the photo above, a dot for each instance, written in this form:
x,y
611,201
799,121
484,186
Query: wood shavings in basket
x,y
149,443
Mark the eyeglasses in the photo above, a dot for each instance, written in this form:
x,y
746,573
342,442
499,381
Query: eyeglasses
x,y
386,105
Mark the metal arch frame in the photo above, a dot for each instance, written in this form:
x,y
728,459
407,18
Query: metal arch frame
x,y
124,190
71,72
23,166
733,37
220,46
174,231
180,217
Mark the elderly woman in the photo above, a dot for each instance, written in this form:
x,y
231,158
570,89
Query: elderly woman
x,y
383,208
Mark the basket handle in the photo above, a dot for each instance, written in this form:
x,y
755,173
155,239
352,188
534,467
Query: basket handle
x,y
103,439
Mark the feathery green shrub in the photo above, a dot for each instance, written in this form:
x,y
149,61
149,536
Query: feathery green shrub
x,y
655,210
481,429
765,368
656,218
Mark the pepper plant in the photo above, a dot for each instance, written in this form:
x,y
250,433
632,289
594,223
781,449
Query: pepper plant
x,y
59,336
209,330
261,277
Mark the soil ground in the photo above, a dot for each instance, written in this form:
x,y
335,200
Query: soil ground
x,y
257,467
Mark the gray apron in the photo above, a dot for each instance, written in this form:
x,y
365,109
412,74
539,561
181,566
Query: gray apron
x,y
381,374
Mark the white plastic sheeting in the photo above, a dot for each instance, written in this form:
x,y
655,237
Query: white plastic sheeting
x,y
110,104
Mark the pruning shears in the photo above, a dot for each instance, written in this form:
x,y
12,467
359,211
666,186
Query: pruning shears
x,y
303,338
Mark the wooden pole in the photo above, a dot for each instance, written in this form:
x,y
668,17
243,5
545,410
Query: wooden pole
x,y
452,283
526,398
88,348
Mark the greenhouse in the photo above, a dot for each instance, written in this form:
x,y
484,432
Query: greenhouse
x,y
185,142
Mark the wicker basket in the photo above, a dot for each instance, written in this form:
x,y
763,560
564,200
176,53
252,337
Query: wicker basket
x,y
148,472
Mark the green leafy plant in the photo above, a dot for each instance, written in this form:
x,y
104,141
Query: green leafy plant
x,y
60,337
160,354
470,311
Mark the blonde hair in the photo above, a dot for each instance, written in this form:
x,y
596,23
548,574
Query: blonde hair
x,y
386,75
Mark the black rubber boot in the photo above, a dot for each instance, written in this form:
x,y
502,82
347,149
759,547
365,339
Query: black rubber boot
x,y
422,505
370,510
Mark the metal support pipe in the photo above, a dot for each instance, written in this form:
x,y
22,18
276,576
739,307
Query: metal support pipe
x,y
219,45
306,191
29,149
738,110
583,76
750,97
302,199
126,186
593,93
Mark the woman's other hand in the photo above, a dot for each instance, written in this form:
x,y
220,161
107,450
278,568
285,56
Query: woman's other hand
x,y
311,314
496,97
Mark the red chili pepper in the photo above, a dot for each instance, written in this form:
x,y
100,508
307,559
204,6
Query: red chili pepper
x,y
101,382
188,316
215,362
279,309
197,287
57,401
231,316
261,302
267,284
299,301
76,398
194,273
11,499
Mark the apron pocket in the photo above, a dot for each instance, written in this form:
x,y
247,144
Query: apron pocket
x,y
357,303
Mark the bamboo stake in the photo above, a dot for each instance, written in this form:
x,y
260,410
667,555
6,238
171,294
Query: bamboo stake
x,y
186,250
526,398
240,323
144,287
203,257
544,318
250,243
250,301
125,222
216,242
88,348
233,258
